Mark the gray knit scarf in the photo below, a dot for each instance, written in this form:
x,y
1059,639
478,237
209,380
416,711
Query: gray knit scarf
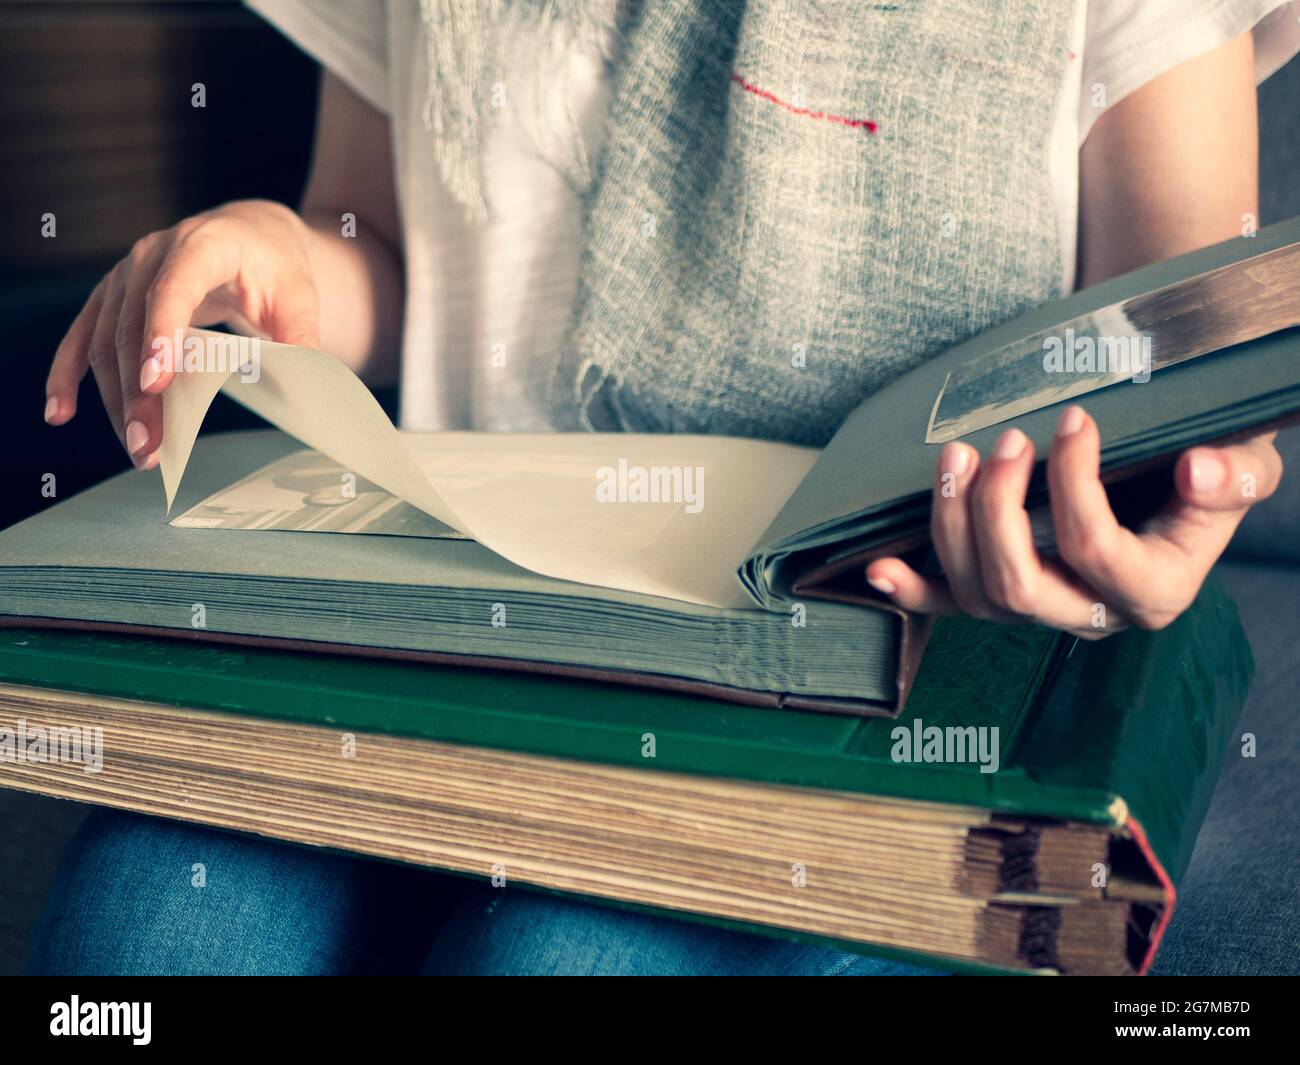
x,y
796,201
480,47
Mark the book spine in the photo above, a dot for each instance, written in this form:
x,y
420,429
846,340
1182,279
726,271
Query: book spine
x,y
1147,717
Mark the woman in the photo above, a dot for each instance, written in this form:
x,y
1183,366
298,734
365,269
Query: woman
x,y
591,216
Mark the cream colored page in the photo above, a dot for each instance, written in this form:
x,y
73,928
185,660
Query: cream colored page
x,y
564,505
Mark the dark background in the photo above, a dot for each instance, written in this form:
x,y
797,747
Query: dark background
x,y
96,126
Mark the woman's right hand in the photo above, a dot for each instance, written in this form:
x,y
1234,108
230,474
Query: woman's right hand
x,y
245,263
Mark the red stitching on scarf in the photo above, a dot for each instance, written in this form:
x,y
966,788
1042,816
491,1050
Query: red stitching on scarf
x,y
843,120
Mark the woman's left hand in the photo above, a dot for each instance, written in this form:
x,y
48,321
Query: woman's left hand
x,y
1107,577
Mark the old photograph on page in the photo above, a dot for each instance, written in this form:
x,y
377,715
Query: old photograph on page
x,y
308,492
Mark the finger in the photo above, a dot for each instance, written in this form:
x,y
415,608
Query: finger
x,y
71,361
903,585
295,318
195,265
1148,579
1229,478
1089,537
1009,574
1014,577
950,528
103,349
1066,602
1082,616
142,414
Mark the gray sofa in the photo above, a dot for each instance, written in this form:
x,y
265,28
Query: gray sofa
x,y
1249,923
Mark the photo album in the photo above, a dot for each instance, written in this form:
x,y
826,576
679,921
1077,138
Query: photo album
x,y
692,596
721,566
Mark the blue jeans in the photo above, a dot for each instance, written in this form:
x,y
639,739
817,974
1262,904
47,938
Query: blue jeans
x,y
143,896
127,900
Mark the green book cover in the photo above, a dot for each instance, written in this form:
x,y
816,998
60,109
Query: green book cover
x,y
1128,732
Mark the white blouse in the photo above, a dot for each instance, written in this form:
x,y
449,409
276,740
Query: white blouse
x,y
488,303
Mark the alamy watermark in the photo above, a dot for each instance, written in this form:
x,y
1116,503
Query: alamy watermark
x,y
121,1019
217,353
37,745
921,743
626,483
1087,353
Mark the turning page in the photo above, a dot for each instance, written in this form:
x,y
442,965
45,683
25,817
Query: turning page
x,y
663,515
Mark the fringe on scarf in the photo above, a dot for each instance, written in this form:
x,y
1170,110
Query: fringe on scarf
x,y
507,53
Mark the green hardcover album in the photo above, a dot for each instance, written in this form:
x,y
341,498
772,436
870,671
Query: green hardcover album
x,y
1127,734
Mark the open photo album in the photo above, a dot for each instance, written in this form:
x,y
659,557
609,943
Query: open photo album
x,y
730,567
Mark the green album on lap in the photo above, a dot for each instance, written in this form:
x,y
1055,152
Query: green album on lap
x,y
1032,810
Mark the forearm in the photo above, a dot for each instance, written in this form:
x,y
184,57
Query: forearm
x,y
354,234
359,284
1171,168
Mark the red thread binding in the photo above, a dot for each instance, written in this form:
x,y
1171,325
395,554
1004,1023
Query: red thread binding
x,y
843,120
1171,895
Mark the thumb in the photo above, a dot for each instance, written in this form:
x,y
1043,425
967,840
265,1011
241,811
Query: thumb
x,y
1230,478
296,320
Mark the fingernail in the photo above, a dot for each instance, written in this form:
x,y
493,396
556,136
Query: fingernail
x,y
137,435
1208,473
1071,421
150,372
1011,446
955,459
51,408
882,585
150,462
